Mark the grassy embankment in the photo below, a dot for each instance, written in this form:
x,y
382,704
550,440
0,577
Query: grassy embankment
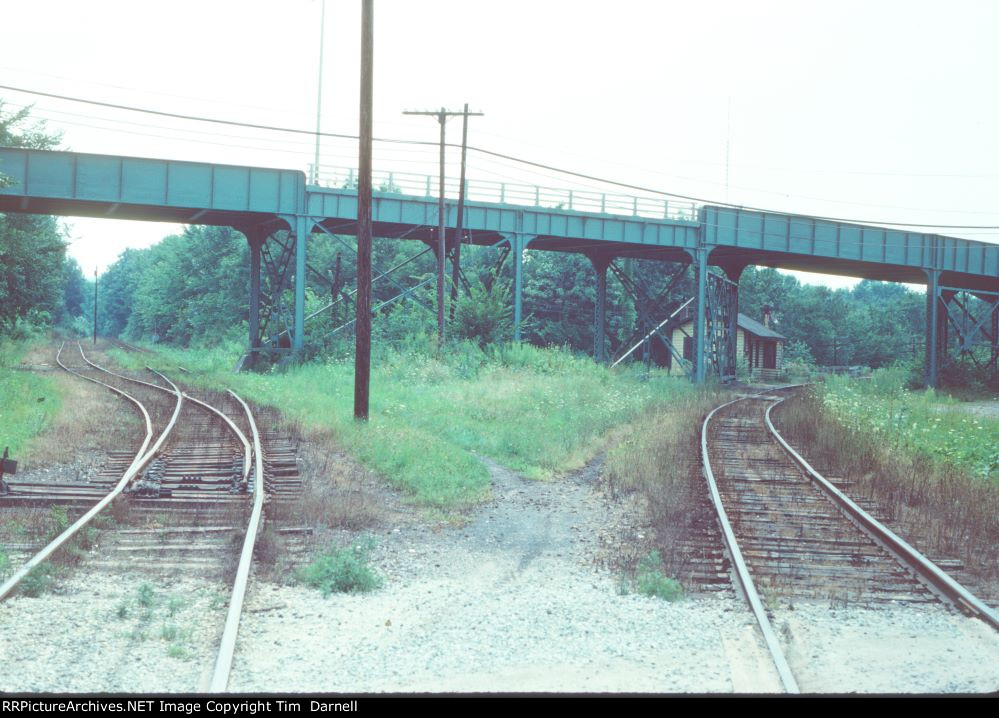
x,y
537,411
933,467
30,424
28,401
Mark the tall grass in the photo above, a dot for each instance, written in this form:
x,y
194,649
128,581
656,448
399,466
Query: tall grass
x,y
661,462
538,411
28,401
944,507
922,422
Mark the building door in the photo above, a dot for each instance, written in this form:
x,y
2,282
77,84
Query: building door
x,y
769,355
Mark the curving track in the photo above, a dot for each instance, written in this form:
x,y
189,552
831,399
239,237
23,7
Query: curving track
x,y
789,531
191,478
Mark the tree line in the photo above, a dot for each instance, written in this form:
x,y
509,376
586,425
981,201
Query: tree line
x,y
193,288
39,285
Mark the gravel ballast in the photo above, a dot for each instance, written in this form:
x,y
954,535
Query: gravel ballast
x,y
516,600
115,633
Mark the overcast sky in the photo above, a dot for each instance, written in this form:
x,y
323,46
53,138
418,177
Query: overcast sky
x,y
876,111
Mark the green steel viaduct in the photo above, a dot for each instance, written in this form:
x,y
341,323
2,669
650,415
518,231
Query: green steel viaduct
x,y
261,202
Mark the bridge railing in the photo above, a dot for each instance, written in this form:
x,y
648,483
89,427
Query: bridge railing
x,y
409,183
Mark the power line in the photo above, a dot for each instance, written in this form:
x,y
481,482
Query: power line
x,y
501,155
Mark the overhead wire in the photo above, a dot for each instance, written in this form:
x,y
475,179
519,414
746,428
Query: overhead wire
x,y
491,153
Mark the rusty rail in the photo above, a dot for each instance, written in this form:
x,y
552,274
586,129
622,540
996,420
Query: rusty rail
x,y
237,432
942,583
141,459
739,563
227,647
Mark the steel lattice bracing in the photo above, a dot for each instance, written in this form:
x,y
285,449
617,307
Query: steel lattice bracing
x,y
721,312
75,184
961,324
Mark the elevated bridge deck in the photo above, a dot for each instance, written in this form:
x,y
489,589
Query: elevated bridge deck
x,y
258,201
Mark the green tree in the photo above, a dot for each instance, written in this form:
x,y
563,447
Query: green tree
x,y
484,315
32,248
75,295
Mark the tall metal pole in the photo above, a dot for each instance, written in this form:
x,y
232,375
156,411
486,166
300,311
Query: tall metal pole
x,y
319,92
95,306
362,347
441,248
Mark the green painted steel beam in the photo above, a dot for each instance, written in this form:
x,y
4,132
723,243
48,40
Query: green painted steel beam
x,y
75,184
70,183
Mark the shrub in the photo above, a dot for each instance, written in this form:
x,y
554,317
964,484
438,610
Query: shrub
x,y
342,570
651,581
484,315
146,595
39,580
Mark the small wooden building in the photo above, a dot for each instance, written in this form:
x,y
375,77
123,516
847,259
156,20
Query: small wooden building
x,y
762,347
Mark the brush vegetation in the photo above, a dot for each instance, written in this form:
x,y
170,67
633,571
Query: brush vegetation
x,y
659,461
537,411
28,401
921,422
342,570
928,466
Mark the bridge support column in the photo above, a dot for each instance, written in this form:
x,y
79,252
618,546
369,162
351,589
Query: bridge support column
x,y
600,264
301,235
995,336
255,238
933,317
733,272
518,243
255,245
700,256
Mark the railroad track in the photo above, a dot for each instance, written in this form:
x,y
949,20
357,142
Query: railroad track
x,y
791,532
192,489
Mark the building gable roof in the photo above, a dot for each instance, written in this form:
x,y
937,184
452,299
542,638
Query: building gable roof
x,y
754,327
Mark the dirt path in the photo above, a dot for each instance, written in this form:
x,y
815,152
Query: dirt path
x,y
512,601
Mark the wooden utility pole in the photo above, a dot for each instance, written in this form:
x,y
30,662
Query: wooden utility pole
x,y
456,257
95,306
442,114
362,346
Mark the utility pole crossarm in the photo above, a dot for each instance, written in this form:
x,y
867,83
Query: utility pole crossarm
x,y
441,115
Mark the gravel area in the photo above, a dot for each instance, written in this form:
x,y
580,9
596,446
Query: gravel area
x,y
889,650
512,601
102,632
519,599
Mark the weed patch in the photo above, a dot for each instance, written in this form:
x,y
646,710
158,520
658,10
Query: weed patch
x,y
342,570
660,461
38,581
943,506
651,581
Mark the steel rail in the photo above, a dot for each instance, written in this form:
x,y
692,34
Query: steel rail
x,y
155,449
227,647
138,463
247,451
207,407
926,569
142,408
741,569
